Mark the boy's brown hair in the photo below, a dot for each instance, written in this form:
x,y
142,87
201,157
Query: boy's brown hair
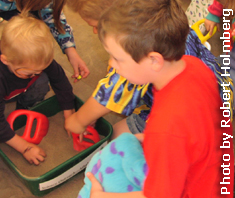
x,y
27,39
144,26
89,9
32,5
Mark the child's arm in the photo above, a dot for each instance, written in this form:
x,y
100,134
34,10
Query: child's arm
x,y
31,152
65,41
97,191
87,114
68,113
60,85
79,66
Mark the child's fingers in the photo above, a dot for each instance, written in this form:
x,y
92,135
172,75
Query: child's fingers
x,y
35,161
69,134
81,137
42,153
93,124
40,158
85,72
95,184
207,24
211,31
75,78
207,27
218,27
76,72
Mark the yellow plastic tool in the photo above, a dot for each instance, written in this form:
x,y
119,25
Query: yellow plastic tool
x,y
203,38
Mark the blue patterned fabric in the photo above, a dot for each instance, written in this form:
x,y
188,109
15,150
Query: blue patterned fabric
x,y
64,40
6,5
118,167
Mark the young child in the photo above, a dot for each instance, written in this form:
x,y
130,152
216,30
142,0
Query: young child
x,y
104,99
25,67
116,93
183,137
51,13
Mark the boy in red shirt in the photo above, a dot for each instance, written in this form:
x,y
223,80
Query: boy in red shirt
x,y
188,150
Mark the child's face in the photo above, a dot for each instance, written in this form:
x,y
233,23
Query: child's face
x,y
136,73
26,70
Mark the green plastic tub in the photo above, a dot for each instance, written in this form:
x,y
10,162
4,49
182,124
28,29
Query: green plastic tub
x,y
52,179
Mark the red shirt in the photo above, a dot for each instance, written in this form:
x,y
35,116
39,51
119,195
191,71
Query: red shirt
x,y
183,137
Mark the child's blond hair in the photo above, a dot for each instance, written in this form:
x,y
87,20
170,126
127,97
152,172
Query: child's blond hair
x,y
89,9
27,39
144,26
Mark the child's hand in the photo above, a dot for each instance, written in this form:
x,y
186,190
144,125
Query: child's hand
x,y
80,70
79,66
31,152
210,26
96,188
34,154
72,124
85,132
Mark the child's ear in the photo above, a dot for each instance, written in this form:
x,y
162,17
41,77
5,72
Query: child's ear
x,y
157,60
4,59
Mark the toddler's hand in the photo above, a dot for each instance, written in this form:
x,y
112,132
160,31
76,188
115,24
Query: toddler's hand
x,y
34,154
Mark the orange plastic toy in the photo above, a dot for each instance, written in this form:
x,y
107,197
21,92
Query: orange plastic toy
x,y
88,140
41,127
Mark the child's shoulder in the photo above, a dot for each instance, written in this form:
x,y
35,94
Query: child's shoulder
x,y
191,59
197,65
